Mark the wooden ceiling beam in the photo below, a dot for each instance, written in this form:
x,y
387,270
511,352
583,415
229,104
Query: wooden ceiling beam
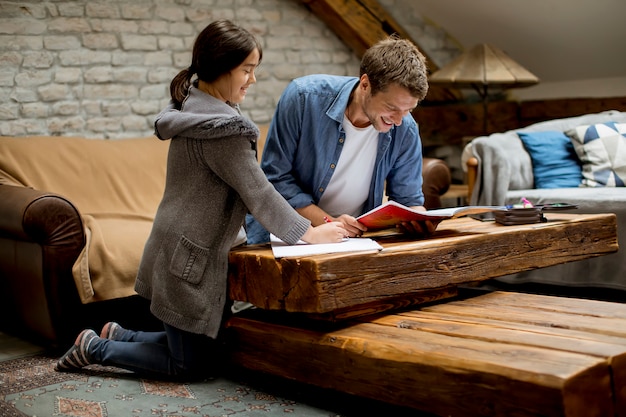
x,y
362,23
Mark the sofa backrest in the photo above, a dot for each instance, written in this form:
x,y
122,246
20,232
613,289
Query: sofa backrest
x,y
99,176
504,163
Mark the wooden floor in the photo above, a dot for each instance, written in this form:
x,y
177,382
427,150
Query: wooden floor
x,y
497,354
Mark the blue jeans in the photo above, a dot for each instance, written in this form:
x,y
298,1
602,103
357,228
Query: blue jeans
x,y
173,353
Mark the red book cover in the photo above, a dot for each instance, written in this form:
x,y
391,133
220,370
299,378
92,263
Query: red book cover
x,y
391,213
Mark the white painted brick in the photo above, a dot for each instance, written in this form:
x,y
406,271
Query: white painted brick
x,y
32,78
115,26
92,107
71,9
68,75
16,26
123,58
9,111
61,43
160,58
137,11
23,127
22,9
172,14
35,110
110,91
139,42
183,29
65,108
146,107
115,108
182,59
171,43
154,27
59,125
108,10
38,59
98,75
84,57
68,24
7,76
104,124
53,92
162,75
100,41
133,75
138,123
24,95
26,42
151,92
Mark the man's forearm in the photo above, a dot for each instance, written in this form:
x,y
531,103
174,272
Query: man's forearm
x,y
313,213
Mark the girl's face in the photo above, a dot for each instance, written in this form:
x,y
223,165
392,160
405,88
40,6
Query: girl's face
x,y
232,87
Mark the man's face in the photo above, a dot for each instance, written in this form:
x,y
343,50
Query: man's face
x,y
387,108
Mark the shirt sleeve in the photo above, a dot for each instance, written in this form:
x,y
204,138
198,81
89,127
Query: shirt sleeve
x,y
281,146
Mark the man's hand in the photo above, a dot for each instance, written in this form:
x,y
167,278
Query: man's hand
x,y
421,228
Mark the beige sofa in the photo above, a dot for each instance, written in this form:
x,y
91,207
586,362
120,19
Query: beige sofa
x,y
74,217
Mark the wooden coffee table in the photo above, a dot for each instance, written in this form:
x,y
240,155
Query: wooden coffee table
x,y
497,354
407,272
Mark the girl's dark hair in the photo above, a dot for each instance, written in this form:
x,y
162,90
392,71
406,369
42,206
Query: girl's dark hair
x,y
221,47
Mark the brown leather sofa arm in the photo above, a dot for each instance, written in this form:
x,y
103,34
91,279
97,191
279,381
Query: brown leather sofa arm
x,y
437,180
40,217
41,235
472,172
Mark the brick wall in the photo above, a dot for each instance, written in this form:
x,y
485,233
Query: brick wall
x,y
103,68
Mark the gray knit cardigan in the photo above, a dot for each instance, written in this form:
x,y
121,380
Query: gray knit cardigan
x,y
213,179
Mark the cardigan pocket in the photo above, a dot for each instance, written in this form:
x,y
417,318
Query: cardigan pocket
x,y
189,261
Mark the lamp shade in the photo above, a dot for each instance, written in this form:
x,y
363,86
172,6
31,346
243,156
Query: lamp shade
x,y
483,66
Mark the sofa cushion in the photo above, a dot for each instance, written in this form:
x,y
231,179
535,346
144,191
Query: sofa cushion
x,y
602,149
555,163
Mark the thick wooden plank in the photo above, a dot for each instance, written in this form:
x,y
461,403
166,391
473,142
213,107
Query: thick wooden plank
x,y
582,322
531,327
461,251
442,367
362,23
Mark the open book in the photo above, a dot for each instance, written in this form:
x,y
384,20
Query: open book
x,y
391,213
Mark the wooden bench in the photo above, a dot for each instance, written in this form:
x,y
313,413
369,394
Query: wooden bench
x,y
498,354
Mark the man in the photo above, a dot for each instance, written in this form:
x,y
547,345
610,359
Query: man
x,y
336,144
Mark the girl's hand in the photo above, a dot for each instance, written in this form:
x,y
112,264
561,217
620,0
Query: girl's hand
x,y
332,232
354,228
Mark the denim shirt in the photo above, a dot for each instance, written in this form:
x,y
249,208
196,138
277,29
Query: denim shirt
x,y
305,140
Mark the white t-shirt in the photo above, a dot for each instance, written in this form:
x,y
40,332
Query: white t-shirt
x,y
349,186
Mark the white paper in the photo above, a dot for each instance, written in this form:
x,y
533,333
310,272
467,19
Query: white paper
x,y
357,244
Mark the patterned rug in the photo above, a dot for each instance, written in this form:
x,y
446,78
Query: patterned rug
x,y
30,387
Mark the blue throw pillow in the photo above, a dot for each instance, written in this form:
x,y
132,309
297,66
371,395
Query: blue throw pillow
x,y
555,162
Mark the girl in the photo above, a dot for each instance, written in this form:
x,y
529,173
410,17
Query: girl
x,y
213,179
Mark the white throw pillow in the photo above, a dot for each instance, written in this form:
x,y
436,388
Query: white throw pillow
x,y
602,150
